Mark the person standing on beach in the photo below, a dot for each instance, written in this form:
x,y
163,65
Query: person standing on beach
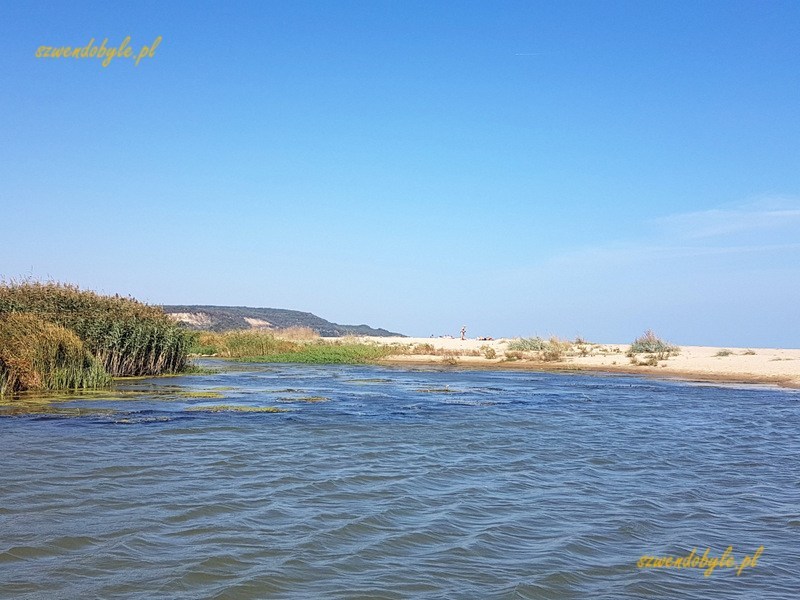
x,y
464,332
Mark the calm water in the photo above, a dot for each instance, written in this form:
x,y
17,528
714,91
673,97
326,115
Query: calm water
x,y
399,484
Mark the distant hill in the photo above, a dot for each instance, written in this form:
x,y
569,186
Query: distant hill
x,y
226,318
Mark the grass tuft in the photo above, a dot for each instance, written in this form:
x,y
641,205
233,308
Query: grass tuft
x,y
551,350
533,344
652,344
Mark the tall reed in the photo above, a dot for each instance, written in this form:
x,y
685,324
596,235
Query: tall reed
x,y
240,343
37,355
126,336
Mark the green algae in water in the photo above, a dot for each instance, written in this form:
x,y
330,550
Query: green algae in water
x,y
63,403
141,420
236,408
201,394
311,399
27,410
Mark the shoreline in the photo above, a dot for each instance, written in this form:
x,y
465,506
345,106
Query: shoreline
x,y
704,364
557,367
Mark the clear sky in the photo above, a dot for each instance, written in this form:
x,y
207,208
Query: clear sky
x,y
521,168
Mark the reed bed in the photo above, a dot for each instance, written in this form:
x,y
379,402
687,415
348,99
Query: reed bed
x,y
125,337
240,344
297,334
35,354
266,346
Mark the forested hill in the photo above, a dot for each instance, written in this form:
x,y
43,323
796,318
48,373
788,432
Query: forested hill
x,y
226,318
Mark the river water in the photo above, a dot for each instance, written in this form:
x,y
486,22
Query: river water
x,y
378,482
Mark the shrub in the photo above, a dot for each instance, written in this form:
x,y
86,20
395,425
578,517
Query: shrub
x,y
424,349
554,350
450,358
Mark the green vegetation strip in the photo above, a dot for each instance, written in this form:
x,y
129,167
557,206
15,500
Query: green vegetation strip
x,y
263,346
328,354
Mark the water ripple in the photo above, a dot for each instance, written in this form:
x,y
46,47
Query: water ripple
x,y
403,484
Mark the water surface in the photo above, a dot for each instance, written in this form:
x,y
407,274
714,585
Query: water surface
x,y
388,483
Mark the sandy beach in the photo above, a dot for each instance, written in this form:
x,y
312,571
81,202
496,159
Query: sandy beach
x,y
697,363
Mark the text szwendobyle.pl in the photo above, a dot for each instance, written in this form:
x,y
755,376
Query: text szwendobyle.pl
x,y
706,562
103,51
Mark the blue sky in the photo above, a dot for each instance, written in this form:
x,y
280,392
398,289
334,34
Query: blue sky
x,y
568,168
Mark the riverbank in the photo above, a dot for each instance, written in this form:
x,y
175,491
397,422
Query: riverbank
x,y
773,366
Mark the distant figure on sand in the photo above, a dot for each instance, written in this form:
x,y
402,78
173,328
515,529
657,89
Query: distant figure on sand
x,y
464,332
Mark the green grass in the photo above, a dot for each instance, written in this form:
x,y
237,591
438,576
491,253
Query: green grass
x,y
327,353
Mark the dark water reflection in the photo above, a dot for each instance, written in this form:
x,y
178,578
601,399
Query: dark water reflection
x,y
386,483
